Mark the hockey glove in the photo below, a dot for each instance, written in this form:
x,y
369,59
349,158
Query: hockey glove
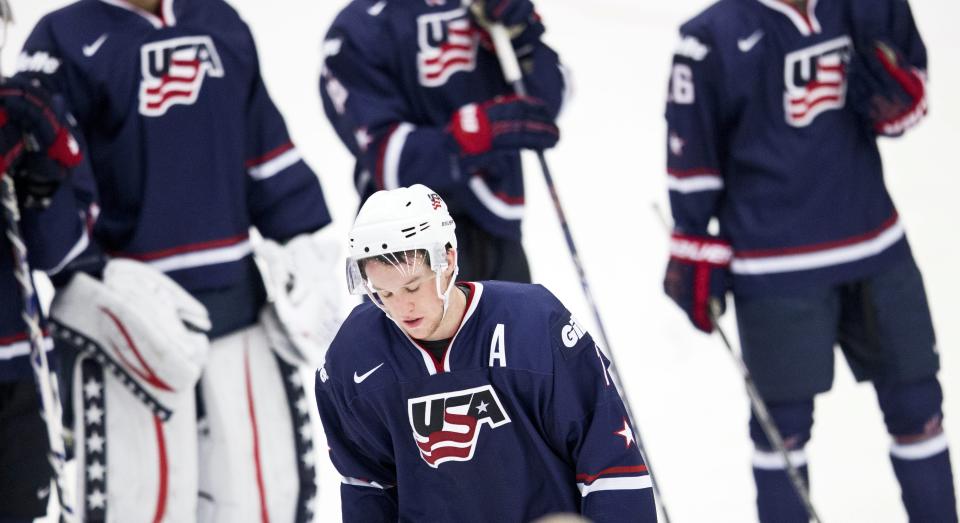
x,y
506,123
518,16
303,313
50,150
698,273
885,89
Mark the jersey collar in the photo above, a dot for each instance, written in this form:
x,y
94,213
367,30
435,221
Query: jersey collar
x,y
166,18
434,366
806,23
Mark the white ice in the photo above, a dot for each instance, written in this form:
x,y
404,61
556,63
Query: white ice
x,y
689,400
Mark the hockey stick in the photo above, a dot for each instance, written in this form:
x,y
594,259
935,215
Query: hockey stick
x,y
510,67
50,407
756,400
764,417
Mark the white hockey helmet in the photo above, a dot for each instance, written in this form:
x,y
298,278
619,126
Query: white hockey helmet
x,y
400,220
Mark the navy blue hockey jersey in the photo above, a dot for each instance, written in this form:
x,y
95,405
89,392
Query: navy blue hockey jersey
x,y
53,236
763,137
518,420
395,71
186,146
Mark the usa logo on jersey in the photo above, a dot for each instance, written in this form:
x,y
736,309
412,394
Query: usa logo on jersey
x,y
448,44
174,70
446,426
815,80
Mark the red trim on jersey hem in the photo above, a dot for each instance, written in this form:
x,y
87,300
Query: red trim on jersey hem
x,y
634,469
191,247
698,171
163,472
22,336
260,160
763,253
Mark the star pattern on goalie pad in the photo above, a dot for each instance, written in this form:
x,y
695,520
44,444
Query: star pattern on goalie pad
x,y
626,433
303,436
95,449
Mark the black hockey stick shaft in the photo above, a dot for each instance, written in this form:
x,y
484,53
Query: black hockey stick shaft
x,y
514,76
764,417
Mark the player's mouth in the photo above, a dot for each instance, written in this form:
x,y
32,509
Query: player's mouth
x,y
413,324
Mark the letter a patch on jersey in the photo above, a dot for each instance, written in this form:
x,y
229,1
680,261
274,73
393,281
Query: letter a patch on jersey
x,y
446,425
174,70
448,43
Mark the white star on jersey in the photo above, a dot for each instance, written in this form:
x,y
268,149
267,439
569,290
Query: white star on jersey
x,y
676,144
626,433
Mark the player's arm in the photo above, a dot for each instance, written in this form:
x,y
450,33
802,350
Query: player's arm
x,y
363,98
54,179
542,71
368,490
888,68
698,267
284,194
592,428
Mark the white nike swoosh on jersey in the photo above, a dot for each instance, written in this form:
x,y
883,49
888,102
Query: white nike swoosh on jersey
x,y
375,9
90,50
359,379
746,44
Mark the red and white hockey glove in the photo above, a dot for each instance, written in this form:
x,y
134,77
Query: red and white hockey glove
x,y
39,121
698,272
886,90
505,123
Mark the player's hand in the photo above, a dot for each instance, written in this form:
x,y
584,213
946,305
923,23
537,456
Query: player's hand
x,y
698,273
518,16
505,123
885,89
34,124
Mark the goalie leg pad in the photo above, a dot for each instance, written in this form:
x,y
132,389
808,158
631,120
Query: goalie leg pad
x,y
257,456
131,465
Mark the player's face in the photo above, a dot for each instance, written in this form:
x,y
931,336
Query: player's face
x,y
409,294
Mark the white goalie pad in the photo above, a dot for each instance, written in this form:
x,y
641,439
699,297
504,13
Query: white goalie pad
x,y
132,467
139,320
303,313
256,448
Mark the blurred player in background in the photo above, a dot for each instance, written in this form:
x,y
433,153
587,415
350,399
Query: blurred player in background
x,y
415,91
189,152
463,402
773,115
54,211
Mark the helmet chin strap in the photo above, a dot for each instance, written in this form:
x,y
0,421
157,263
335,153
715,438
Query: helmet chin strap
x,y
445,294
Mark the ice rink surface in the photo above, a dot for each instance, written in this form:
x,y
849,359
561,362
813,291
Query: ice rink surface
x,y
689,401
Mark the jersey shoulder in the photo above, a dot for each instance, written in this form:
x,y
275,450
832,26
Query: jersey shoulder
x,y
362,335
537,319
722,20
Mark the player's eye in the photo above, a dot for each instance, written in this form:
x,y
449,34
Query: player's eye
x,y
385,294
412,290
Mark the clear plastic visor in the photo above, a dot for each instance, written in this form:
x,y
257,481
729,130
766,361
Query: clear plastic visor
x,y
407,262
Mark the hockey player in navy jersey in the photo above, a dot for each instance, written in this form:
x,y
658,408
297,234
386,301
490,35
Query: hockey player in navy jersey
x,y
54,207
773,115
414,90
468,401
189,153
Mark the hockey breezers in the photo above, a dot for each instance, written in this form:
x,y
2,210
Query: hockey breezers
x,y
765,419
514,76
